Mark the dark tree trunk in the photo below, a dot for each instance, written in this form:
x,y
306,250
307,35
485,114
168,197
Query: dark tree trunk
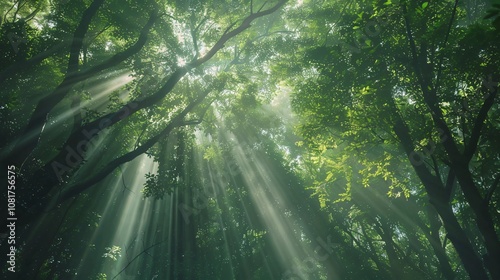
x,y
439,199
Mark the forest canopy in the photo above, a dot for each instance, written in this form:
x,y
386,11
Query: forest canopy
x,y
243,139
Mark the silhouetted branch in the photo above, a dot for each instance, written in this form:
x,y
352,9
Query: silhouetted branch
x,y
492,190
138,255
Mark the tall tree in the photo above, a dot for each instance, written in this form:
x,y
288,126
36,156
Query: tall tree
x,y
394,74
147,40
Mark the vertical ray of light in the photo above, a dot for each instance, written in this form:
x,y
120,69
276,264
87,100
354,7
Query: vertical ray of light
x,y
270,199
216,189
171,234
214,186
134,216
265,189
127,213
101,230
259,180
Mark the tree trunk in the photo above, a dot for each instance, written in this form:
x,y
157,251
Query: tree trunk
x,y
435,241
439,199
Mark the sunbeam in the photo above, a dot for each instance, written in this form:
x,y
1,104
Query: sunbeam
x,y
249,140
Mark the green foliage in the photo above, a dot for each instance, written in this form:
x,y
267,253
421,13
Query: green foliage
x,y
289,134
113,253
101,276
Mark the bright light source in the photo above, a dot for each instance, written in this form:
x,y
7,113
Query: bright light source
x,y
181,61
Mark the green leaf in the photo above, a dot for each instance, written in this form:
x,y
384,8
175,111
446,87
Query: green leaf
x,y
424,5
329,176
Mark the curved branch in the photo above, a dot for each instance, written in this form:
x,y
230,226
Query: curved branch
x,y
79,187
440,66
29,139
478,125
450,183
14,68
492,189
8,11
80,31
135,105
138,255
230,34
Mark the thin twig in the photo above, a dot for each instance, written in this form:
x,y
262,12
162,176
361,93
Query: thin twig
x,y
138,255
492,190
